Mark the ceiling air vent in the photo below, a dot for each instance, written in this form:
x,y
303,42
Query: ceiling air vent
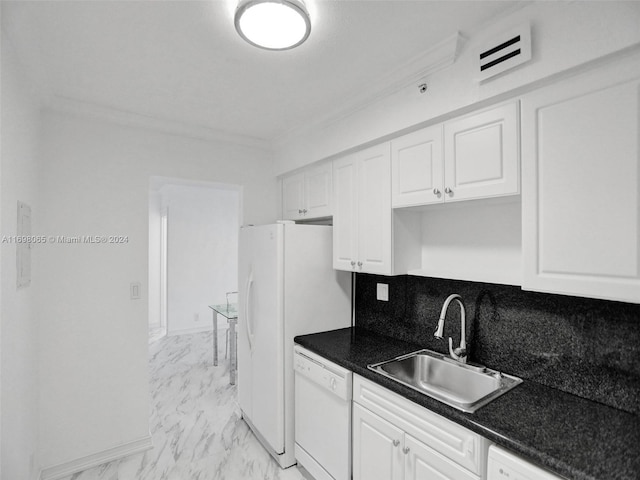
x,y
511,49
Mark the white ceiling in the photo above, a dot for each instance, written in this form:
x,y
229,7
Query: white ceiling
x,y
182,61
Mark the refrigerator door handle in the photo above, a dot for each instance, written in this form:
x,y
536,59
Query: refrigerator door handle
x,y
246,310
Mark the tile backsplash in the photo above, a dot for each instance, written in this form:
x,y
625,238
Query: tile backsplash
x,y
587,347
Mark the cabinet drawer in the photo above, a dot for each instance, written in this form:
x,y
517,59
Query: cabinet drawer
x,y
451,440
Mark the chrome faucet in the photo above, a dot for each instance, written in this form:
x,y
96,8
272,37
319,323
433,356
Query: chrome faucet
x,y
459,354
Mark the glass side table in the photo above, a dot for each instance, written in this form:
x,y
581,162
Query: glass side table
x,y
230,312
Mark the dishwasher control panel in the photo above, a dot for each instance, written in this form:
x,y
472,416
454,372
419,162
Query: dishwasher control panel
x,y
504,465
328,375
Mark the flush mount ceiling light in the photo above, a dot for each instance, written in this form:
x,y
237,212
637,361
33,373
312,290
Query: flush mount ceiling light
x,y
273,24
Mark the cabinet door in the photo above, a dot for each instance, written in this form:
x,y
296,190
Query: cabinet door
x,y
345,227
423,463
293,197
482,154
377,447
374,210
461,446
581,186
417,168
317,191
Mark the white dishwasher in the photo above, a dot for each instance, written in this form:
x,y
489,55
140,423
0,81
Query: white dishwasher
x,y
322,416
503,465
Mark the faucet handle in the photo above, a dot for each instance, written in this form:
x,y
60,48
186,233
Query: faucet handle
x,y
459,354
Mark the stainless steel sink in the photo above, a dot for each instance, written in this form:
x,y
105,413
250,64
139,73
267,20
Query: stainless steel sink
x,y
466,387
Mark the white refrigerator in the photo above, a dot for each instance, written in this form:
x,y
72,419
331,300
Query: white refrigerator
x,y
287,287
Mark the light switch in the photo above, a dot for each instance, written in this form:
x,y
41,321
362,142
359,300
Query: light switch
x,y
135,290
382,292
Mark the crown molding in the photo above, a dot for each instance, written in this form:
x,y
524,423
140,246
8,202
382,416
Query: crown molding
x,y
413,72
77,107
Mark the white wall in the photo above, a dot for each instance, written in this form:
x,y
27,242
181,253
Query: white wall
x,y
93,338
18,323
564,35
203,253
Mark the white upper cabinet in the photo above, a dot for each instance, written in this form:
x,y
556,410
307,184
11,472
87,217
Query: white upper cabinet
x,y
307,195
475,156
318,191
417,172
362,211
292,196
581,185
481,154
345,235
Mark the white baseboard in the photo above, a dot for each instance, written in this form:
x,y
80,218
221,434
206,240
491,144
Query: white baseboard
x,y
186,331
90,461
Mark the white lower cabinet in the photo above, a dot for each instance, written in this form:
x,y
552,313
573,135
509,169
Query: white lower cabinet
x,y
377,447
396,439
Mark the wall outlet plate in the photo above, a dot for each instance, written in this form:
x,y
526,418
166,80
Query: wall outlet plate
x,y
134,290
382,292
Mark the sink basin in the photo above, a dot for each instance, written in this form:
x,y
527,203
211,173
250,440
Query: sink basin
x,y
466,387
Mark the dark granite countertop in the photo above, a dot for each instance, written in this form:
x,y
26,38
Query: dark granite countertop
x,y
568,435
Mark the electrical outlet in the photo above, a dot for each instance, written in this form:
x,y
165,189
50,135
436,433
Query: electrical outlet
x,y
382,292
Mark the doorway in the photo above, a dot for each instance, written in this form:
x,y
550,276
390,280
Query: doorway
x,y
164,261
193,250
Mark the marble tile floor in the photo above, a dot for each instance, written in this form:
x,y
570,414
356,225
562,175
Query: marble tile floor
x,y
195,422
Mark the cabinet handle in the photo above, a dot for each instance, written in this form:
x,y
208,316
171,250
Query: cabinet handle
x,y
448,191
405,450
299,210
304,210
360,264
436,192
353,264
396,443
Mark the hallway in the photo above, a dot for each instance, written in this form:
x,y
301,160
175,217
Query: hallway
x,y
195,422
